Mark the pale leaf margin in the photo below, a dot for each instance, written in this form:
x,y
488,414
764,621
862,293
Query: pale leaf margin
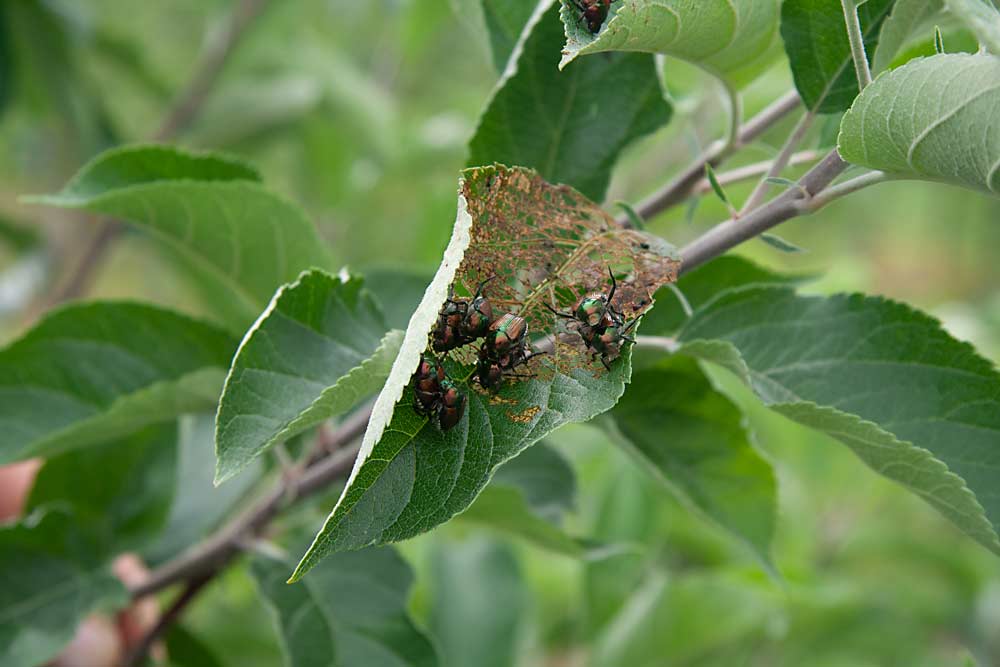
x,y
413,345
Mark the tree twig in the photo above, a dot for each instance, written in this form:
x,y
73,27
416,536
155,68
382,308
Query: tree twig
x,y
190,592
754,170
794,139
227,543
791,203
857,40
180,115
678,189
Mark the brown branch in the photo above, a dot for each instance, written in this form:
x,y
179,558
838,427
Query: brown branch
x,y
681,187
182,112
138,654
218,550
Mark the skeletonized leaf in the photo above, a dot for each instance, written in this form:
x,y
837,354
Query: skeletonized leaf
x,y
912,402
694,440
906,18
933,118
350,612
819,51
121,491
543,244
570,126
212,208
51,577
982,18
313,354
94,372
730,38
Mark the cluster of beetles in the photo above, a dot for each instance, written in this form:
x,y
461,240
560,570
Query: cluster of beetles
x,y
505,346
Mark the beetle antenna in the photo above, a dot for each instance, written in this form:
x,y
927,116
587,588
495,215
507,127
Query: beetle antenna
x,y
614,284
556,312
479,290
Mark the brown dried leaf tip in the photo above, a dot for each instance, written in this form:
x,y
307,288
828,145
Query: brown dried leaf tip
x,y
547,245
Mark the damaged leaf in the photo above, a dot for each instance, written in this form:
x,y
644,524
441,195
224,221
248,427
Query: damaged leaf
x,y
541,245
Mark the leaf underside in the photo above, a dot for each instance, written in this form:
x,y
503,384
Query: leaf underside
x,y
933,118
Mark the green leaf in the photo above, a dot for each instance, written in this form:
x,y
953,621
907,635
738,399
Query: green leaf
x,y
505,19
19,237
528,497
94,372
398,292
410,476
570,126
51,577
187,650
912,402
545,477
693,439
689,620
704,283
938,41
6,64
198,504
982,18
906,19
819,51
480,603
313,354
120,491
351,612
914,120
244,236
717,187
732,39
781,244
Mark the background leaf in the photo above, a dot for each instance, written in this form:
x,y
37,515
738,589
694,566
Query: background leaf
x,y
693,439
730,38
351,612
121,491
505,19
313,354
480,603
212,208
410,476
91,373
915,404
916,119
198,505
982,18
570,126
907,17
703,284
51,576
819,51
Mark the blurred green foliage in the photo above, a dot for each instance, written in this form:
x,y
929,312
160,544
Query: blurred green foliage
x,y
361,111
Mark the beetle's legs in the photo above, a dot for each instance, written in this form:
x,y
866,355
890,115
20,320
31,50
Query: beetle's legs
x,y
614,285
604,360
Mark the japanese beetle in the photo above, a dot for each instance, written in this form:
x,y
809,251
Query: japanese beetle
x,y
436,395
593,13
462,321
427,382
452,405
601,326
490,373
606,339
506,335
